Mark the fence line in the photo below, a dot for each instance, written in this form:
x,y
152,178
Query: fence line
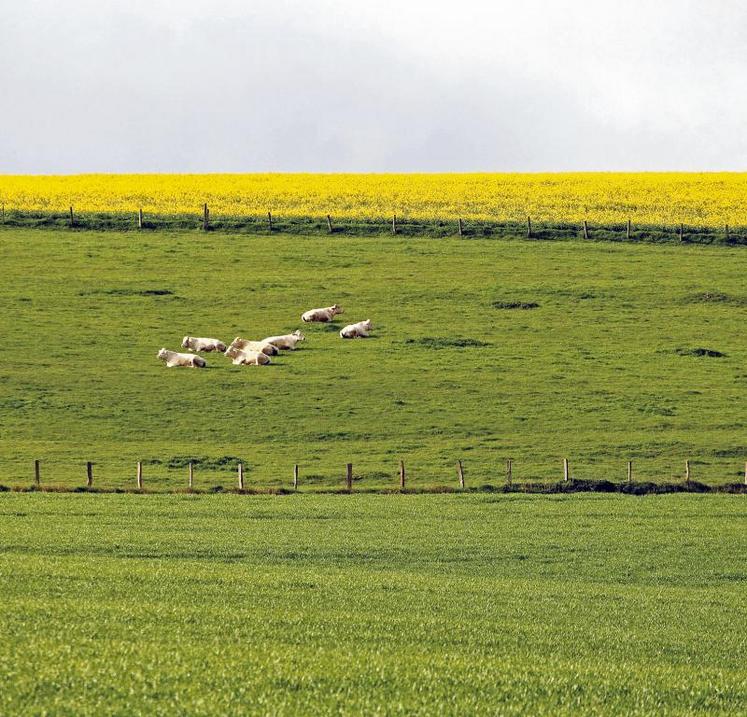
x,y
462,227
565,478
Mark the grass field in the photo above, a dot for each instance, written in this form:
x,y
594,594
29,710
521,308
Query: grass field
x,y
449,604
604,369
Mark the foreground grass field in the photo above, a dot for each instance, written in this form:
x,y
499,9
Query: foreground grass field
x,y
372,605
608,366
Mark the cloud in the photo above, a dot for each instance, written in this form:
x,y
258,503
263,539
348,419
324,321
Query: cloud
x,y
327,85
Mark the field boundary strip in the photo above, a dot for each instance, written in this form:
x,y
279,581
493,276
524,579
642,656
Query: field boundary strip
x,y
446,227
529,487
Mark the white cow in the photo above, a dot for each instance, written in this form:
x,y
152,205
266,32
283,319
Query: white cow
x,y
356,331
244,345
287,342
324,315
200,344
172,358
250,358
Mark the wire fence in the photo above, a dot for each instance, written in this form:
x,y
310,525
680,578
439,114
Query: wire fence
x,y
198,475
327,224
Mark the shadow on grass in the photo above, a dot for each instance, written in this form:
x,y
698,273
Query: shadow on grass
x,y
561,487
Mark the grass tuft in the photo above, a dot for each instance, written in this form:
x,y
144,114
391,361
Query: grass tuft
x,y
515,305
711,353
443,342
716,297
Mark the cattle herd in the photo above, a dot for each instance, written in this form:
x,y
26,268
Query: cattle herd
x,y
244,352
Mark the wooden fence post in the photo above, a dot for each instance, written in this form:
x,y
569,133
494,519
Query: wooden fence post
x,y
394,223
89,474
727,232
627,230
329,223
509,471
401,475
566,470
2,217
687,471
586,229
295,477
72,218
460,227
529,227
460,473
682,232
241,476
630,471
191,476
37,472
349,477
269,220
205,217
139,475
140,218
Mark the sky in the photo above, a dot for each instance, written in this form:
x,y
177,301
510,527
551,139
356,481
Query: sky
x,y
372,86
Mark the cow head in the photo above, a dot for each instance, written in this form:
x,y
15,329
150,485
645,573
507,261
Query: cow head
x,y
234,344
185,342
299,336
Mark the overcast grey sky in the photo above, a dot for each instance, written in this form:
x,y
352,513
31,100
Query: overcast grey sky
x,y
343,85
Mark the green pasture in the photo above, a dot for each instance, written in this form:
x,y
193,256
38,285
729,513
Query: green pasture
x,y
483,349
372,604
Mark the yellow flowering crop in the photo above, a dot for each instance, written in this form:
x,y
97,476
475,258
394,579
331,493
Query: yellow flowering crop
x,y
708,199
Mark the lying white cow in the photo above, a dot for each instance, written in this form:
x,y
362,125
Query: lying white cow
x,y
244,345
356,331
287,342
250,358
324,315
172,358
199,344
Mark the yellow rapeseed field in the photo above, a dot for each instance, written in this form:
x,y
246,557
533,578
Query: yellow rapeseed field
x,y
706,199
